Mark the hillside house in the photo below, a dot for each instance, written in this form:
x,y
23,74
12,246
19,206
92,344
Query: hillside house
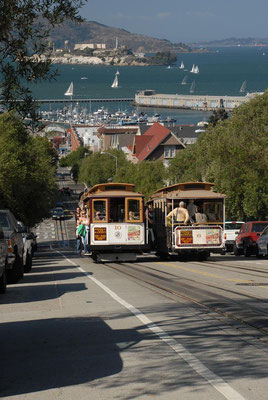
x,y
157,143
116,137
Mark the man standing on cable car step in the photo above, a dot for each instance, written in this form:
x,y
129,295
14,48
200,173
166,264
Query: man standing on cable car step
x,y
180,214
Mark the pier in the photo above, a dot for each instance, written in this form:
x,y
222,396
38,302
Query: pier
x,y
149,98
113,100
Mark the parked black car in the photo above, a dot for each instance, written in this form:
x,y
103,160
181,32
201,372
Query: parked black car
x,y
28,241
15,245
3,261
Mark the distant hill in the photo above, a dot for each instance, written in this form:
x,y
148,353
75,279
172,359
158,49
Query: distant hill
x,y
234,42
93,32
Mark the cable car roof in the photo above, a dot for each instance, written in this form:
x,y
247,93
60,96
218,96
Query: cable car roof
x,y
188,190
111,190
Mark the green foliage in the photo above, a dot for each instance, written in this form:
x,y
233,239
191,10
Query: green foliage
x,y
100,168
24,37
218,115
184,167
148,176
75,157
162,58
27,166
233,155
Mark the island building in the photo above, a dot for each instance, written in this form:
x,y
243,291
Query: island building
x,y
94,46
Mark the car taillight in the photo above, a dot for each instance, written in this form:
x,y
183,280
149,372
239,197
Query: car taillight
x,y
9,246
225,236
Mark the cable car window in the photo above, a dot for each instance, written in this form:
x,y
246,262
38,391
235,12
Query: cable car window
x,y
133,210
117,209
213,211
99,210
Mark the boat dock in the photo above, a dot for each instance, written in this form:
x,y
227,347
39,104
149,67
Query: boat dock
x,y
149,98
113,100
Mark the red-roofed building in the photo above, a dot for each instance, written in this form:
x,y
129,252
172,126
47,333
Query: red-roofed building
x,y
157,143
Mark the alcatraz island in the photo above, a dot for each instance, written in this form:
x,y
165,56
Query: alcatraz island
x,y
93,43
100,54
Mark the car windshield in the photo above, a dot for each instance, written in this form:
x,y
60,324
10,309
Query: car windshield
x,y
259,226
4,222
233,225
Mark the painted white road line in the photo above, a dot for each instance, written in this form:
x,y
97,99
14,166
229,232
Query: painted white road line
x,y
216,381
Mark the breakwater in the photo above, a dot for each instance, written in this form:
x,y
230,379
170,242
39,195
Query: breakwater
x,y
149,98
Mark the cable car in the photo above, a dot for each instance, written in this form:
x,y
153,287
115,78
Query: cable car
x,y
199,236
117,228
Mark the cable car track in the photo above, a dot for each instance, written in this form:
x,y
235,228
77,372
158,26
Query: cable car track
x,y
235,267
61,231
253,317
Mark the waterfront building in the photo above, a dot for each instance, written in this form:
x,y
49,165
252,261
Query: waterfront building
x,y
149,98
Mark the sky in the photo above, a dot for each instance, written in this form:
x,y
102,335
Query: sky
x,y
185,21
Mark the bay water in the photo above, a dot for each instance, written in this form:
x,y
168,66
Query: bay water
x,y
222,72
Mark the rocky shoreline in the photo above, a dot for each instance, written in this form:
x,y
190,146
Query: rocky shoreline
x,y
72,59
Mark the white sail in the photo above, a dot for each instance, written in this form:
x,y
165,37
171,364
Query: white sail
x,y
70,90
243,87
184,81
117,73
182,65
196,71
115,82
193,68
192,88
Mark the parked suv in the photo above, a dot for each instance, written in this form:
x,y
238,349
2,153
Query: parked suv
x,y
245,242
15,245
3,261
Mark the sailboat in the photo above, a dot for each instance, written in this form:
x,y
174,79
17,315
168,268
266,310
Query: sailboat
x,y
70,90
192,88
181,66
184,81
117,73
193,69
243,87
115,82
196,71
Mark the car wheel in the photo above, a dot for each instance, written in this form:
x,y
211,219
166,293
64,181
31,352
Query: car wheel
x,y
258,254
203,255
16,273
29,262
3,282
236,251
246,250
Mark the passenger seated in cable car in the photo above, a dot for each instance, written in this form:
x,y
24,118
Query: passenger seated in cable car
x,y
98,216
199,216
131,215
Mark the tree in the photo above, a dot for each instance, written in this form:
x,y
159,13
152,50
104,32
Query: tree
x,y
218,115
100,168
75,157
148,176
27,167
24,38
234,156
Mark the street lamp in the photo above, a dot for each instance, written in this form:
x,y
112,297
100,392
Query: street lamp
x,y
104,152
